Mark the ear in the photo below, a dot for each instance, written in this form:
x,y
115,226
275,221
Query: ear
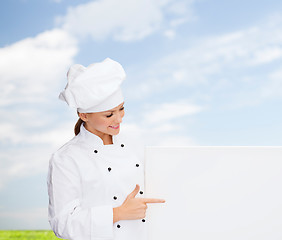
x,y
83,116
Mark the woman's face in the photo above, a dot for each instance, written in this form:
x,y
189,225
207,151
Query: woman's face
x,y
101,123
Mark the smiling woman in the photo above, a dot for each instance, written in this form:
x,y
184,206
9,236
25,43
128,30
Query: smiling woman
x,y
95,182
103,124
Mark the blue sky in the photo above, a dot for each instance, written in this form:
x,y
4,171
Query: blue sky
x,y
199,72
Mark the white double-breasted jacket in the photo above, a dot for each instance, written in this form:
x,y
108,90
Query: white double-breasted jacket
x,y
86,180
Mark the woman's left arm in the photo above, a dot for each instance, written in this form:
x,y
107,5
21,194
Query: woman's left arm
x,y
66,216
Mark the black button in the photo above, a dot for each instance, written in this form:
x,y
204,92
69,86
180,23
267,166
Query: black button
x,y
137,165
122,145
95,151
109,169
141,192
118,226
143,220
115,197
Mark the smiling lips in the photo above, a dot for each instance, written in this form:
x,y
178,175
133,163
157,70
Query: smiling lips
x,y
114,127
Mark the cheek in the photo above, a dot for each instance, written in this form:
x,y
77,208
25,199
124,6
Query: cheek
x,y
105,123
100,123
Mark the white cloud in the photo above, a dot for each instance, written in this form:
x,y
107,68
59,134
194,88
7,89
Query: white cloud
x,y
31,68
266,55
27,153
179,7
168,111
31,74
169,34
161,125
178,21
273,87
12,132
183,10
124,20
141,135
225,69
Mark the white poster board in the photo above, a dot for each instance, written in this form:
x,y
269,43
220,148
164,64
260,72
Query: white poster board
x,y
214,193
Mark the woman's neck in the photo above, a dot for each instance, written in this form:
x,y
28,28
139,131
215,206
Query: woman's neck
x,y
106,138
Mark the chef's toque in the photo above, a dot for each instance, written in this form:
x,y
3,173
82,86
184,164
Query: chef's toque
x,y
95,88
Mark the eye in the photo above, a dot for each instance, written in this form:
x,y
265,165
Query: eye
x,y
122,108
108,116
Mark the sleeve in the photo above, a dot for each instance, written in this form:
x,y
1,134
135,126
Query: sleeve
x,y
67,218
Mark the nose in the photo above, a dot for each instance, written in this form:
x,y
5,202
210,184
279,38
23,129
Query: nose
x,y
119,118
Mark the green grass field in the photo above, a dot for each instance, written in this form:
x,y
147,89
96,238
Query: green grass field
x,y
26,235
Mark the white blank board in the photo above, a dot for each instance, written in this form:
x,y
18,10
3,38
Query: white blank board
x,y
214,193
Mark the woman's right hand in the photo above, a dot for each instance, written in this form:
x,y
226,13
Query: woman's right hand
x,y
133,208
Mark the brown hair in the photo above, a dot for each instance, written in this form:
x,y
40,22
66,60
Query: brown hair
x,y
77,126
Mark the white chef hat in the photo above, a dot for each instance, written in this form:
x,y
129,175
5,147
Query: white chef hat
x,y
95,88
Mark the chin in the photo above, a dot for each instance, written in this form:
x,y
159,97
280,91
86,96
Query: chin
x,y
115,133
112,131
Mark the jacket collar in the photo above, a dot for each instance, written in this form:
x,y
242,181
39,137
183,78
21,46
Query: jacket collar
x,y
91,138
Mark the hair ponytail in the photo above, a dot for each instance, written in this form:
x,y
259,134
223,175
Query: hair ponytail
x,y
77,126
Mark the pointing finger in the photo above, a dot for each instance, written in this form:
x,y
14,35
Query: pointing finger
x,y
153,200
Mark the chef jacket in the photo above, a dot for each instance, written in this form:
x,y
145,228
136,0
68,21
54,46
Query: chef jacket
x,y
86,180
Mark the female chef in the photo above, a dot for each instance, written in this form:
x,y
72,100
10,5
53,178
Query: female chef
x,y
95,183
